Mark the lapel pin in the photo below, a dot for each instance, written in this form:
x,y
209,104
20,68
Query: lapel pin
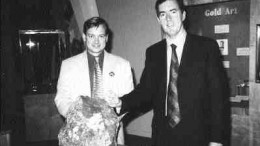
x,y
111,74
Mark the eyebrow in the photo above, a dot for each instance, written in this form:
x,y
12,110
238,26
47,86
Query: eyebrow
x,y
88,34
173,9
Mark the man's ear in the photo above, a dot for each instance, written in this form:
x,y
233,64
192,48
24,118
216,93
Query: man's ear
x,y
84,37
183,15
158,19
107,37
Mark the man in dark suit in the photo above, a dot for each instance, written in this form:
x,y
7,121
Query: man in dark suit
x,y
201,86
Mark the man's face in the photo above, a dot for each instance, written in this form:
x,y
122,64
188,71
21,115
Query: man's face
x,y
171,18
96,40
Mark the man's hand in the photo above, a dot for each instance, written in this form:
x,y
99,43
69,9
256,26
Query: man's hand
x,y
215,144
113,100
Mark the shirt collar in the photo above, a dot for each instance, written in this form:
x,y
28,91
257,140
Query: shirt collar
x,y
179,40
92,58
101,55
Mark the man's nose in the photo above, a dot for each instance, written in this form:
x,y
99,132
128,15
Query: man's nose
x,y
168,17
96,40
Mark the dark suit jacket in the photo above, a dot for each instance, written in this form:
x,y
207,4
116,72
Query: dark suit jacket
x,y
202,90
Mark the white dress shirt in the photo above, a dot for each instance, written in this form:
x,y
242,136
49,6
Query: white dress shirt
x,y
179,42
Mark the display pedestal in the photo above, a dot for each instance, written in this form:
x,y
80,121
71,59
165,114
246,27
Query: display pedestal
x,y
42,119
240,120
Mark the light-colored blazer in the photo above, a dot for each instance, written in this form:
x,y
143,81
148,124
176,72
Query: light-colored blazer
x,y
74,79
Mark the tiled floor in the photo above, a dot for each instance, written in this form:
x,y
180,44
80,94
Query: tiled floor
x,y
131,140
43,143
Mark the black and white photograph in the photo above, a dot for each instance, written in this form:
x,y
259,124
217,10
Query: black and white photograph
x,y
130,73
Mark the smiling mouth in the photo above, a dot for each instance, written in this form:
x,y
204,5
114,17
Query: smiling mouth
x,y
170,26
96,46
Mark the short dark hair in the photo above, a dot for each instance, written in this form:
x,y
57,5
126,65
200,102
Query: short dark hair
x,y
95,22
159,2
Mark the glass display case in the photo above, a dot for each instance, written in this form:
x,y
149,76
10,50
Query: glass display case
x,y
41,53
257,74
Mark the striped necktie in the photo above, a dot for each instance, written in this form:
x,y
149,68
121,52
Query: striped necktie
x,y
97,81
173,109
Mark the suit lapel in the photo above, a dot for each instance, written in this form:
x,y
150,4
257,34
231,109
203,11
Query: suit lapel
x,y
84,74
106,65
184,53
107,68
162,58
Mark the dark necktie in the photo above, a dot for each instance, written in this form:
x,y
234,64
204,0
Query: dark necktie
x,y
173,108
97,81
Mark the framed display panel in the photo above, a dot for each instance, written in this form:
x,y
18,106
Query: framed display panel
x,y
227,23
257,53
41,53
